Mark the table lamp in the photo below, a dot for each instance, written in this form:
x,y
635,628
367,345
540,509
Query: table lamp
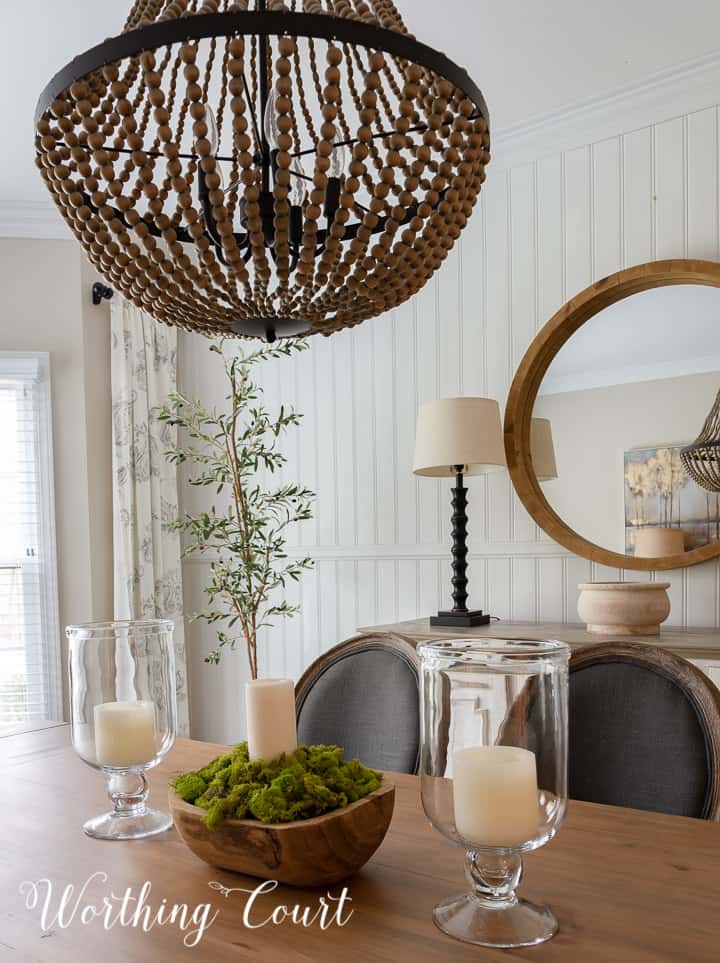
x,y
457,437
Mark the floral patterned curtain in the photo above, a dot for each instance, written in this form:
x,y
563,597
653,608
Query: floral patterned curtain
x,y
148,578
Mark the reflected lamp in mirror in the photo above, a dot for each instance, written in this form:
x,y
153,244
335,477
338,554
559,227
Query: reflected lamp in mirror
x,y
457,437
542,449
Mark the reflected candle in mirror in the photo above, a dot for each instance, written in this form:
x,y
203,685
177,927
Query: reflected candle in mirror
x,y
125,734
495,795
270,709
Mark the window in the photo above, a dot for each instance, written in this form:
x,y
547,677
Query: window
x,y
30,679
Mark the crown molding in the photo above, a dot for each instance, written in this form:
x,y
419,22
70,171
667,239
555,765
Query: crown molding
x,y
682,89
32,219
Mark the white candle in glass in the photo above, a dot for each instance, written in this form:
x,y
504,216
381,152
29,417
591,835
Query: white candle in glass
x,y
125,733
270,709
495,795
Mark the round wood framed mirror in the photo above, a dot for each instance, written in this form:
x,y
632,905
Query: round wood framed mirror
x,y
621,496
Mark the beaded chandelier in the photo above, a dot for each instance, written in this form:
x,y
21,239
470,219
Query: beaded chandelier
x,y
263,169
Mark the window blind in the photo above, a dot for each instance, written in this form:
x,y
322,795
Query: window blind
x,y
30,682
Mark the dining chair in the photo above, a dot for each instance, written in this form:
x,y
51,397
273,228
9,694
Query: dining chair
x,y
363,695
644,731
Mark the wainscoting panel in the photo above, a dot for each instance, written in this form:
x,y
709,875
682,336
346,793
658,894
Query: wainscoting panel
x,y
380,536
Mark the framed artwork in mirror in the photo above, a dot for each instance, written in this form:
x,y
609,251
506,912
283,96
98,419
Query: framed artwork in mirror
x,y
621,374
664,507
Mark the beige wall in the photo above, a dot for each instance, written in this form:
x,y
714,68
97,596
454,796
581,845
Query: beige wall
x,y
45,306
593,429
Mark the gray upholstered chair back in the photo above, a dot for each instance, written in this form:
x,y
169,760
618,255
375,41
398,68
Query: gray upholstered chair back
x,y
363,695
644,731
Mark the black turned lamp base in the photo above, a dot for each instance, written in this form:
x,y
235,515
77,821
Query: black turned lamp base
x,y
460,619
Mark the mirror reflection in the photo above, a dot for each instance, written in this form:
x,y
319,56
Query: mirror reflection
x,y
629,400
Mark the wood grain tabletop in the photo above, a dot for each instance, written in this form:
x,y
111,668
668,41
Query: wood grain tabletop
x,y
625,885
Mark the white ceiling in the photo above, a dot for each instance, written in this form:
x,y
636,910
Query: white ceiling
x,y
661,333
530,58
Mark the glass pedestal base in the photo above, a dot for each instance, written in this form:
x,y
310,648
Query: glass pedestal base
x,y
138,825
130,818
490,923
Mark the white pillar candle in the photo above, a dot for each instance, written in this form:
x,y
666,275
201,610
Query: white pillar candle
x,y
270,708
495,795
125,733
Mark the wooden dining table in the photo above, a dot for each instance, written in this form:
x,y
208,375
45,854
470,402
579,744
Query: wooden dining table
x,y
625,885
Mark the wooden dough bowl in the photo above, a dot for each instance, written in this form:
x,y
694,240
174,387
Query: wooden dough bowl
x,y
309,852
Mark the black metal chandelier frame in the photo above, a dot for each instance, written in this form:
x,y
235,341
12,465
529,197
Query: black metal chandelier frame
x,y
263,24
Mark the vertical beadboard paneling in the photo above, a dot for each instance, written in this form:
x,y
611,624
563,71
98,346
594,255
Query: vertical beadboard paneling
x,y
496,208
523,300
702,596
428,586
670,189
386,469
524,589
405,407
347,598
292,640
428,388
364,407
541,233
550,227
498,601
578,226
327,489
327,601
306,458
409,605
449,308
607,207
497,295
638,202
702,184
310,616
344,421
523,293
551,594
472,307
386,591
366,587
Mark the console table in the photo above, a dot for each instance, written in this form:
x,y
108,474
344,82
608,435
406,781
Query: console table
x,y
699,646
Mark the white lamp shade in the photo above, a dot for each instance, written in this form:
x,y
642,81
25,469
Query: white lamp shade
x,y
658,542
542,450
459,431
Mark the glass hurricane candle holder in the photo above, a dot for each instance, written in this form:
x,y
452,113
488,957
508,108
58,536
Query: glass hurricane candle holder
x,y
494,775
123,715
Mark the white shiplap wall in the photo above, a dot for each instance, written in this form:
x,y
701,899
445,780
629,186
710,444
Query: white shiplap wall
x,y
543,231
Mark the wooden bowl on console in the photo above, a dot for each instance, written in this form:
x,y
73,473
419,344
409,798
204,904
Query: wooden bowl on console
x,y
308,852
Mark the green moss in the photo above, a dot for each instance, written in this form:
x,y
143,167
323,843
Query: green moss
x,y
190,786
311,781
